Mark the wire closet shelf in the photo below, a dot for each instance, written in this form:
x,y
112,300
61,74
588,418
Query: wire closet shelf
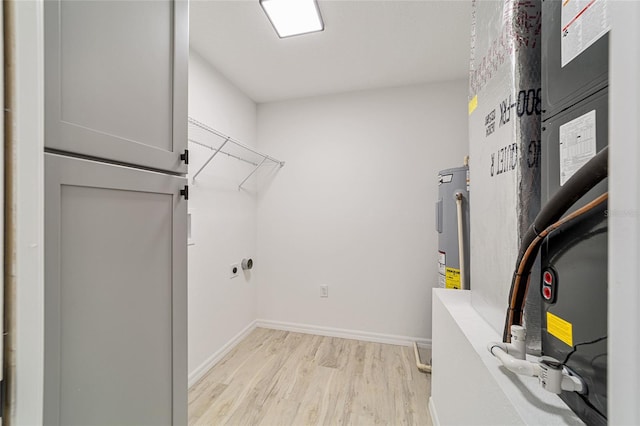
x,y
255,158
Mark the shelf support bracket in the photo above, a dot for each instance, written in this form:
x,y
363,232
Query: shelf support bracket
x,y
211,158
252,172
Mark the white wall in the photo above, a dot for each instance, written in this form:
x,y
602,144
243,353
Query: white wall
x,y
27,181
223,218
457,364
354,206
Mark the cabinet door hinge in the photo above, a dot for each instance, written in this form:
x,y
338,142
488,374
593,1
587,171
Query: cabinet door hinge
x,y
185,192
185,156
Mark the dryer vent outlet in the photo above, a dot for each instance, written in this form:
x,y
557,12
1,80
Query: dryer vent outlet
x,y
247,264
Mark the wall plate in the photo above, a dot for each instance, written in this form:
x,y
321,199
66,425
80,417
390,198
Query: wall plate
x,y
234,270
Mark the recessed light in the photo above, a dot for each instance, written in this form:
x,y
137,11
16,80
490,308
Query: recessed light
x,y
293,17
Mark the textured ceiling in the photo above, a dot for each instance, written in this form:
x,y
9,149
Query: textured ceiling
x,y
366,44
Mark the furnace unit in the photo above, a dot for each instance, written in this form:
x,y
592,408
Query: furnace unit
x,y
573,283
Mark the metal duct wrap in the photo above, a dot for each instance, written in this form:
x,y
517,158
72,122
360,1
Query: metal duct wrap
x,y
504,136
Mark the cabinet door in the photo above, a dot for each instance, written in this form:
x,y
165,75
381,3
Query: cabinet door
x,y
116,80
115,295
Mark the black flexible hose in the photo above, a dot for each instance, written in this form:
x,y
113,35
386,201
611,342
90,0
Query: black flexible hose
x,y
583,180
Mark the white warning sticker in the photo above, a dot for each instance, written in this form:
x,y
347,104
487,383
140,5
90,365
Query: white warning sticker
x,y
583,22
577,144
444,179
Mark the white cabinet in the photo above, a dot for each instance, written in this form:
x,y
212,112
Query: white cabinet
x,y
115,212
116,80
115,295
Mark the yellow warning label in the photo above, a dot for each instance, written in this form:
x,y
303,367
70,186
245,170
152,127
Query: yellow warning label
x,y
473,104
452,278
560,328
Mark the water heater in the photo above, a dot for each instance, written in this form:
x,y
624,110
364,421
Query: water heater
x,y
452,224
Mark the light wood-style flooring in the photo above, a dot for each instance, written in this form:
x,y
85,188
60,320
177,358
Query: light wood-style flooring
x,y
282,378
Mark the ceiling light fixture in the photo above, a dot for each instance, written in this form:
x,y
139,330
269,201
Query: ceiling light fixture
x,y
293,17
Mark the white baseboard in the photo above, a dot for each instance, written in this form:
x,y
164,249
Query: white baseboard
x,y
366,336
203,368
433,413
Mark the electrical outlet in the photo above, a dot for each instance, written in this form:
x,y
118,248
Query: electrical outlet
x,y
324,291
234,270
